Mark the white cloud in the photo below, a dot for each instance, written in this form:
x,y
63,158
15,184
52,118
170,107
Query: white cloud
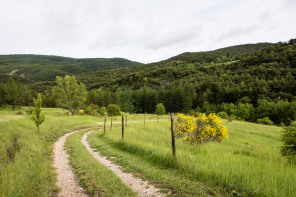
x,y
145,31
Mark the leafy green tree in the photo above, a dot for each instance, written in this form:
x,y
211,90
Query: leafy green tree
x,y
209,108
116,97
12,93
264,108
48,101
245,111
2,94
113,109
91,97
126,99
187,99
230,109
69,95
281,112
160,109
38,116
107,97
25,96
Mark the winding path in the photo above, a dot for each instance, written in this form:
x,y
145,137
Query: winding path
x,y
143,188
67,180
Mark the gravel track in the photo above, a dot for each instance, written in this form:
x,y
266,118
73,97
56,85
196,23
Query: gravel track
x,y
143,188
67,180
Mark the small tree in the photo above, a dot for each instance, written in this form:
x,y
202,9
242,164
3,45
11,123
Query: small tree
x,y
38,117
12,93
113,109
160,109
289,138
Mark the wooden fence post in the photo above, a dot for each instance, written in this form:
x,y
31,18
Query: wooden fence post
x,y
122,133
105,123
173,135
111,121
126,121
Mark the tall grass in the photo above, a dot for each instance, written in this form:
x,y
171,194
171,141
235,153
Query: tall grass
x,y
26,155
249,163
94,176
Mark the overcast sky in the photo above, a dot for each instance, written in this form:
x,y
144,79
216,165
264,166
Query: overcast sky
x,y
140,30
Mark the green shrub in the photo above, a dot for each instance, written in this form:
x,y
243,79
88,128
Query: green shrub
x,y
191,113
94,107
223,115
245,111
19,113
102,111
113,109
265,120
29,111
289,139
88,110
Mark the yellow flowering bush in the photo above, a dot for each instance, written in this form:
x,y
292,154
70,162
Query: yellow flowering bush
x,y
81,112
201,129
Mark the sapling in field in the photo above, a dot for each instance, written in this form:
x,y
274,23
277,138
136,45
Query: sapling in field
x,y
160,110
38,117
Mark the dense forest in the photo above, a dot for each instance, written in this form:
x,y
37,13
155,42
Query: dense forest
x,y
250,82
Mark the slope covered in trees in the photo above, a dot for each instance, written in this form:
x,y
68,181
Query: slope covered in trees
x,y
159,72
258,86
220,55
36,68
255,86
268,73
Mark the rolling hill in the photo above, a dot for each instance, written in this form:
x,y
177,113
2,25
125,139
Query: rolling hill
x,y
170,70
40,68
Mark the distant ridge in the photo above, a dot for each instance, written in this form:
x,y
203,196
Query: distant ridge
x,y
30,68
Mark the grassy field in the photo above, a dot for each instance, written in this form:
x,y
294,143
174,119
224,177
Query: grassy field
x,y
95,177
248,164
26,155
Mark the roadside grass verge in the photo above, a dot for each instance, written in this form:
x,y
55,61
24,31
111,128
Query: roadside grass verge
x,y
248,164
95,177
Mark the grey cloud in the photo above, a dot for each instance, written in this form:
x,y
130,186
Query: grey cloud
x,y
173,37
147,30
290,4
237,32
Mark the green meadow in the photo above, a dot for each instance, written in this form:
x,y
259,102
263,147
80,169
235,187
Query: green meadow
x,y
247,164
26,155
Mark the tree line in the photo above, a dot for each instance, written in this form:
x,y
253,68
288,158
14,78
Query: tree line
x,y
267,75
